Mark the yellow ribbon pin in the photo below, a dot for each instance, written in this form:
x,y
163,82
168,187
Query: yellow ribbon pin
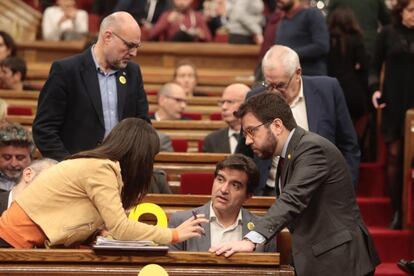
x,y
122,79
250,226
289,156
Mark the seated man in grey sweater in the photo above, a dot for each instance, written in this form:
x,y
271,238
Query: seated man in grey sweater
x,y
236,178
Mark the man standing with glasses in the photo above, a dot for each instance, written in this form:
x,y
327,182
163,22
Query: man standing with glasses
x,y
86,95
225,139
317,104
317,202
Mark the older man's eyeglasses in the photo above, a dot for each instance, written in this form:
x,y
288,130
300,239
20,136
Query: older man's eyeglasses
x,y
129,45
251,132
277,86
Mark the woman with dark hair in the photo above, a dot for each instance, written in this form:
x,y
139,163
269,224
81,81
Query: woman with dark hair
x,y
348,61
90,191
7,46
395,50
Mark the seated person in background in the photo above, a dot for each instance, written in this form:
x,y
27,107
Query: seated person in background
x,y
185,74
145,12
245,22
13,73
16,148
215,12
236,178
181,23
64,21
172,102
8,47
165,142
159,183
28,175
90,191
225,139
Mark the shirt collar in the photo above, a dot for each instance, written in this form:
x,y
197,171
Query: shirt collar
x,y
213,216
97,66
300,97
285,146
232,131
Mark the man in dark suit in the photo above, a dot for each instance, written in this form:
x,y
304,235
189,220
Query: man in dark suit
x,y
234,183
172,102
86,95
224,140
318,105
316,202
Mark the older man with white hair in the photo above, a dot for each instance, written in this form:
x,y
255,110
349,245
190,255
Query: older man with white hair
x,y
317,104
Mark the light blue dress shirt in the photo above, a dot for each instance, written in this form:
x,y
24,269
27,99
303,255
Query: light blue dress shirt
x,y
107,87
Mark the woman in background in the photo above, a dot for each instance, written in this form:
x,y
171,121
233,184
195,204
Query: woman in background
x,y
90,191
395,50
348,62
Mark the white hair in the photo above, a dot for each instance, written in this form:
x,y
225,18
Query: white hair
x,y
283,56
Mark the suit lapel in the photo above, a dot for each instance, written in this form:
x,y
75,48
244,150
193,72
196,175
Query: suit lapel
x,y
246,218
290,153
121,86
90,79
226,142
313,104
205,241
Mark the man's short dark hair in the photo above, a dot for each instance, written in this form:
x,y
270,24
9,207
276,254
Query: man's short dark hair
x,y
266,107
13,134
242,163
15,64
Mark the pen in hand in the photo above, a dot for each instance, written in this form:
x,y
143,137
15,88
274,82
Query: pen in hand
x,y
195,217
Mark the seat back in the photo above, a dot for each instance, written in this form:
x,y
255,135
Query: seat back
x,y
198,183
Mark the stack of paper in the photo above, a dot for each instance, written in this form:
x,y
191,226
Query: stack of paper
x,y
108,243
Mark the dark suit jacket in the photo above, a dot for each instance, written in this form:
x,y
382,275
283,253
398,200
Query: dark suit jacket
x,y
4,201
328,116
69,117
217,141
318,206
203,244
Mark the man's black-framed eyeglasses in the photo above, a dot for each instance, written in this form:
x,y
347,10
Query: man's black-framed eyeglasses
x,y
278,86
129,45
252,131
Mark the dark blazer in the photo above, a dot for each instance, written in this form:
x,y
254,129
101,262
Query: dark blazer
x,y
217,141
328,116
203,244
318,205
4,201
69,117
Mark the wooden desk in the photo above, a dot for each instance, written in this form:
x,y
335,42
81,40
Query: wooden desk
x,y
156,54
86,262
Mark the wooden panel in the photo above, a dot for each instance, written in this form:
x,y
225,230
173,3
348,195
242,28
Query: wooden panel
x,y
87,262
408,157
159,54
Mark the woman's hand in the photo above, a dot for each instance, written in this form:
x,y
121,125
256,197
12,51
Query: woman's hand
x,y
376,100
191,228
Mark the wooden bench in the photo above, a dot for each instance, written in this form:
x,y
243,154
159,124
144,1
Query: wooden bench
x,y
156,54
87,262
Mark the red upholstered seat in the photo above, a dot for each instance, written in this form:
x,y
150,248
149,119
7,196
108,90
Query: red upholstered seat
x,y
192,115
196,183
19,110
216,116
179,145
